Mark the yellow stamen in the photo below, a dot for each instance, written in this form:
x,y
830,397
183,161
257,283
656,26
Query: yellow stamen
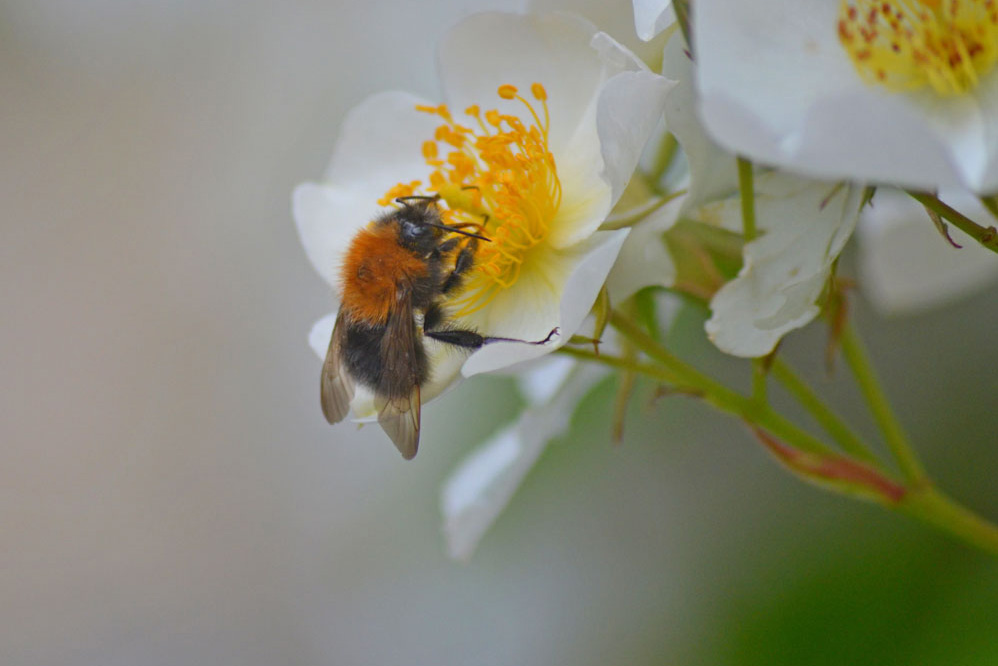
x,y
507,91
500,179
907,45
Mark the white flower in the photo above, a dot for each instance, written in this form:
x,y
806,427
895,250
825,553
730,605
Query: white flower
x,y
578,106
485,481
907,266
803,227
816,87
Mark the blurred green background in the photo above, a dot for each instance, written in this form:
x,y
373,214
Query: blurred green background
x,y
169,492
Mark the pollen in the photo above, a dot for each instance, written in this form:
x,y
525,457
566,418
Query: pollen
x,y
496,175
909,45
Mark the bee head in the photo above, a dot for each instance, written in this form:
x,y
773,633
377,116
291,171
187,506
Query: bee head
x,y
419,227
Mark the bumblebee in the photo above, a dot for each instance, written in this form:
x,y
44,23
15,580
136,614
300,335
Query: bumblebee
x,y
397,271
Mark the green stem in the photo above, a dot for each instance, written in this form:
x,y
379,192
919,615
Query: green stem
x,y
986,236
826,418
933,507
747,190
859,362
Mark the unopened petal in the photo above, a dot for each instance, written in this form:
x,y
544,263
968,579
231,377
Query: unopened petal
x,y
805,224
482,485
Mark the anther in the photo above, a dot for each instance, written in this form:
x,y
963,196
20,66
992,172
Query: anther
x,y
507,91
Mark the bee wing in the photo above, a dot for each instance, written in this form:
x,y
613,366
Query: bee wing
x,y
399,418
335,386
398,400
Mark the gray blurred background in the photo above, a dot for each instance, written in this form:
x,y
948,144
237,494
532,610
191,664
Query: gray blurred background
x,y
170,494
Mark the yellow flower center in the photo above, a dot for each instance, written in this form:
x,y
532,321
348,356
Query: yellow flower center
x,y
498,177
906,45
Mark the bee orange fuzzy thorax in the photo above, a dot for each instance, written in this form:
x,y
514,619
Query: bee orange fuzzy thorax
x,y
374,268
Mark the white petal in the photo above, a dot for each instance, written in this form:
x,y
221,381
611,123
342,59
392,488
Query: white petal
x,y
321,334
629,109
799,103
786,268
614,17
608,142
905,264
491,49
482,485
652,17
380,144
564,306
327,219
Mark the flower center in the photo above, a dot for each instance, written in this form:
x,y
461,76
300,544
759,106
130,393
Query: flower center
x,y
909,44
499,177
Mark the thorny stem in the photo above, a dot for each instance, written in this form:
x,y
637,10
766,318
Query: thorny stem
x,y
859,362
919,500
986,236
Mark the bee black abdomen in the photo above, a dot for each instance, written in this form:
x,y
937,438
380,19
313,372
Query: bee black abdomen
x,y
365,360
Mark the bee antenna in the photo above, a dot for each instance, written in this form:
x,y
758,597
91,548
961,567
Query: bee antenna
x,y
458,231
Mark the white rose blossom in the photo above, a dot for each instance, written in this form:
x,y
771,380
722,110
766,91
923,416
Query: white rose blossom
x,y
903,92
484,482
576,108
904,263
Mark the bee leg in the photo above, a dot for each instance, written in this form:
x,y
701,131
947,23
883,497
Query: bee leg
x,y
459,337
466,338
465,258
448,245
434,327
